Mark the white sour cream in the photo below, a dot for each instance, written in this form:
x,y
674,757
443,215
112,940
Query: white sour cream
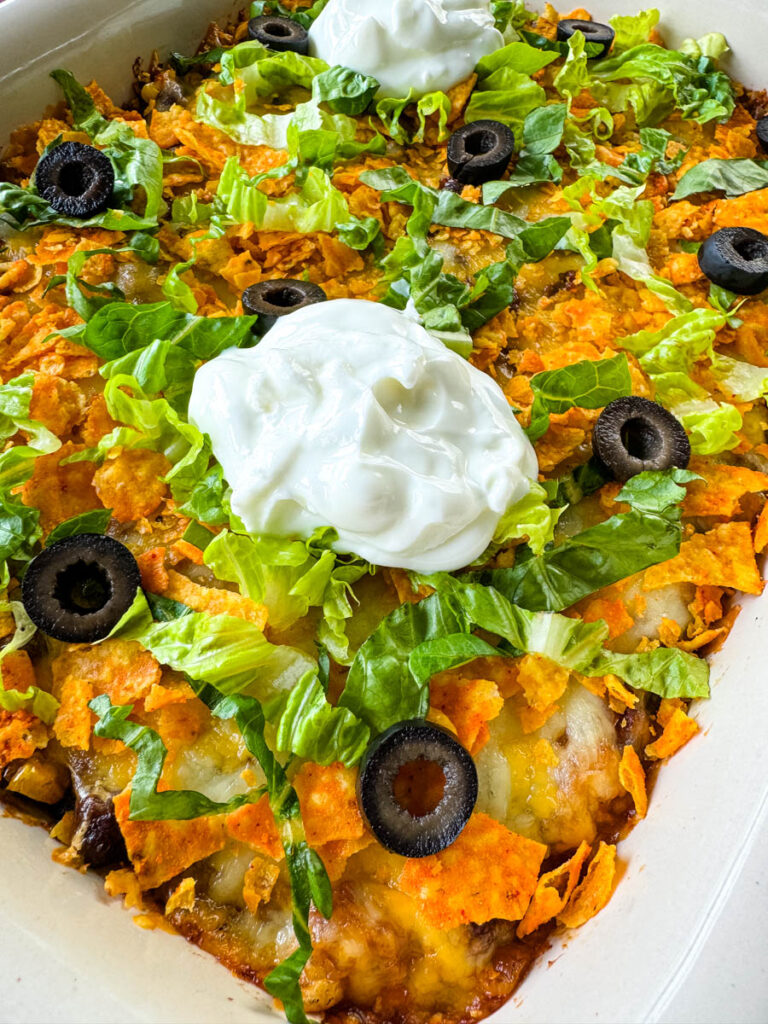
x,y
422,45
349,414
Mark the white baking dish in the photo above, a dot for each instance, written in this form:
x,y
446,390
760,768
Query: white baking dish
x,y
68,954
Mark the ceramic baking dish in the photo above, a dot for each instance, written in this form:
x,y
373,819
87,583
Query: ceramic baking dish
x,y
86,959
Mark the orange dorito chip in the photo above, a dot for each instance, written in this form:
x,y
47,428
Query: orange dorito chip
x,y
613,612
74,719
159,850
678,729
259,882
214,600
21,734
130,484
542,681
329,807
154,575
721,490
58,404
60,492
723,557
470,704
593,893
553,891
488,872
632,778
119,668
761,531
254,824
336,854
18,672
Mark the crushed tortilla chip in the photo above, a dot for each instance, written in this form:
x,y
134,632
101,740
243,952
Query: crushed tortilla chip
x,y
592,894
120,668
723,557
162,696
337,853
159,850
720,491
553,890
130,483
182,897
214,600
541,681
154,575
329,807
60,492
21,734
612,611
761,531
470,704
488,872
56,403
678,730
259,882
18,672
74,719
632,778
254,824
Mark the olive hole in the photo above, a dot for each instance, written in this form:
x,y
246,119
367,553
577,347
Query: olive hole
x,y
419,787
479,143
641,439
274,28
74,178
749,249
83,588
284,297
588,29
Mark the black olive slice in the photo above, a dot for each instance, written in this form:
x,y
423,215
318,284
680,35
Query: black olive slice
x,y
633,435
79,588
480,151
404,746
269,300
98,838
594,32
76,180
762,132
279,33
736,259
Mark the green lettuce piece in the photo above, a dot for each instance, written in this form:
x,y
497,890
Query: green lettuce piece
x,y
34,700
734,177
542,134
290,577
178,292
633,30
344,90
446,652
580,482
679,344
390,111
505,90
531,519
146,803
19,523
711,426
381,689
574,76
713,45
87,522
220,649
310,727
510,15
317,206
661,81
590,384
627,543
743,381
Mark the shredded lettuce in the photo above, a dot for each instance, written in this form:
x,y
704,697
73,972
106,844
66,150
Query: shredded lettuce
x,y
590,384
734,177
505,90
310,727
627,543
531,519
291,577
87,522
390,111
633,30
542,134
34,700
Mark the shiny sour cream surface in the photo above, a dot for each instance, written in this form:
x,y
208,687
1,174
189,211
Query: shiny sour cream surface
x,y
422,45
349,414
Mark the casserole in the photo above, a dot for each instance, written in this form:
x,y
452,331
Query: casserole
x,y
691,805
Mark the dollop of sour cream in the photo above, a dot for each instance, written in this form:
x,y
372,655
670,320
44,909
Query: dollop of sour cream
x,y
349,414
422,45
